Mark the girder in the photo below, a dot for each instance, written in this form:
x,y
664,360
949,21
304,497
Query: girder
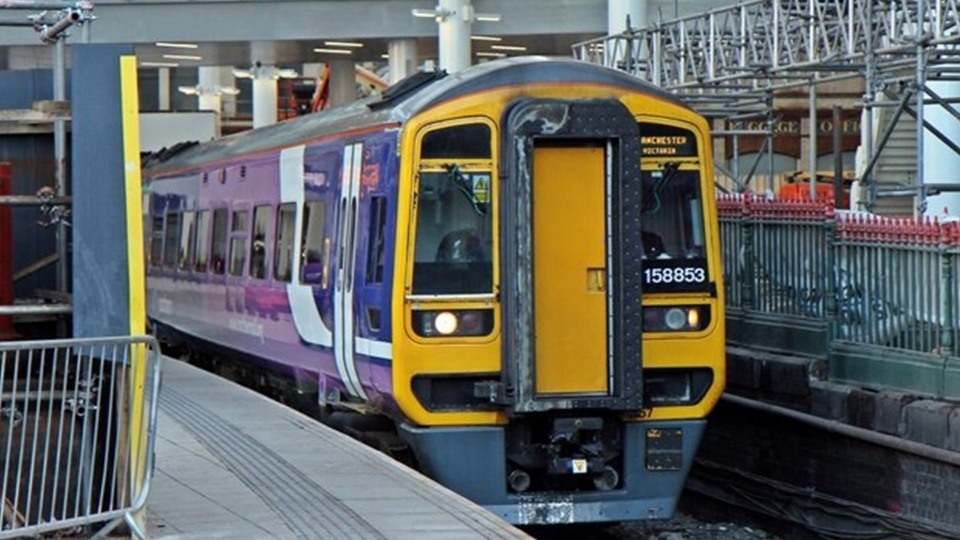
x,y
764,44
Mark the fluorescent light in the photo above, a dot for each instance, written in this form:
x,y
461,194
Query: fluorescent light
x,y
491,54
159,64
385,56
182,57
486,38
343,44
488,17
508,48
331,51
176,45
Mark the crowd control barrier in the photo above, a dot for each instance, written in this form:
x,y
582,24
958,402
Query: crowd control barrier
x,y
78,421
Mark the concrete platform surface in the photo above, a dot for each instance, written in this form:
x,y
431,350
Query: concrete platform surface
x,y
234,464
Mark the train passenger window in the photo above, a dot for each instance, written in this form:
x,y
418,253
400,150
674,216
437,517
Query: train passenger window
x,y
170,239
238,242
376,239
258,246
203,242
283,254
188,240
156,240
218,255
312,250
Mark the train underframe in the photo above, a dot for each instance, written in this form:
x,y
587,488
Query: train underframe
x,y
547,469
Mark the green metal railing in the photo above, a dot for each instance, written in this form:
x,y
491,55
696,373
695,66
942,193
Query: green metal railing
x,y
876,297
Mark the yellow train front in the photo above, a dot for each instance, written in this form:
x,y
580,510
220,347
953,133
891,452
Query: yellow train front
x,y
557,299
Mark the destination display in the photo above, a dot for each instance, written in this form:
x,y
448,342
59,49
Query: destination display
x,y
658,140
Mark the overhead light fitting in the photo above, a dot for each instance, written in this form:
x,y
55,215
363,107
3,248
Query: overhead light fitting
x,y
205,91
517,48
172,45
353,44
331,51
159,64
385,56
182,57
424,13
486,38
491,54
467,15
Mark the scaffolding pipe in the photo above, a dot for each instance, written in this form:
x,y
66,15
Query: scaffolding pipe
x,y
32,200
38,309
44,6
35,266
60,156
6,252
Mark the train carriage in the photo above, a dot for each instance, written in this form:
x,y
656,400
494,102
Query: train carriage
x,y
517,264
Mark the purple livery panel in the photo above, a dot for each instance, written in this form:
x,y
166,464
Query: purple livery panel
x,y
326,321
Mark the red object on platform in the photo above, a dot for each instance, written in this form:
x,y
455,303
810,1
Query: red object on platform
x,y
6,253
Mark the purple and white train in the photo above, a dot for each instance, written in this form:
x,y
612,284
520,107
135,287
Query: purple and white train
x,y
516,264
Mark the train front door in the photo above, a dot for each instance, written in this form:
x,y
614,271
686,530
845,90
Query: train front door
x,y
570,268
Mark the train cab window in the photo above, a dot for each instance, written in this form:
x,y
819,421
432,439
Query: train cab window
x,y
171,234
258,245
203,242
672,214
218,253
188,241
283,254
315,247
376,239
238,241
454,230
156,240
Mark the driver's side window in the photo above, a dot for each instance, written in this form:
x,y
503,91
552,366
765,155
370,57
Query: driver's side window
x,y
454,219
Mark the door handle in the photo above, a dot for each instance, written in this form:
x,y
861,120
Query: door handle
x,y
596,279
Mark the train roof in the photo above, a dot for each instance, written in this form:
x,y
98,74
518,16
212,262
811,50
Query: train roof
x,y
399,102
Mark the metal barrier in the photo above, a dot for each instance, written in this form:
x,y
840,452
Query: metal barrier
x,y
77,431
776,258
877,297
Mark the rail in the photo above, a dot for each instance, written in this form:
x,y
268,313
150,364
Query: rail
x,y
78,422
874,296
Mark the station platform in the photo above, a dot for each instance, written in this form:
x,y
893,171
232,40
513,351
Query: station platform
x,y
234,464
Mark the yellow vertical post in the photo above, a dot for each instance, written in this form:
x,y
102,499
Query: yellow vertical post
x,y
130,115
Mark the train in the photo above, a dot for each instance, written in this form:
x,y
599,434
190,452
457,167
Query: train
x,y
515,265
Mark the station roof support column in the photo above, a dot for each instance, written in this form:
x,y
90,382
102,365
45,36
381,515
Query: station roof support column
x,y
208,89
619,10
403,58
264,95
455,19
343,81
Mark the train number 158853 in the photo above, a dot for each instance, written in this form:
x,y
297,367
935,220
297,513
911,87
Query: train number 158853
x,y
674,275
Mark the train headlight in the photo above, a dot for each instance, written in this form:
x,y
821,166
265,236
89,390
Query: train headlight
x,y
675,318
445,323
453,322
